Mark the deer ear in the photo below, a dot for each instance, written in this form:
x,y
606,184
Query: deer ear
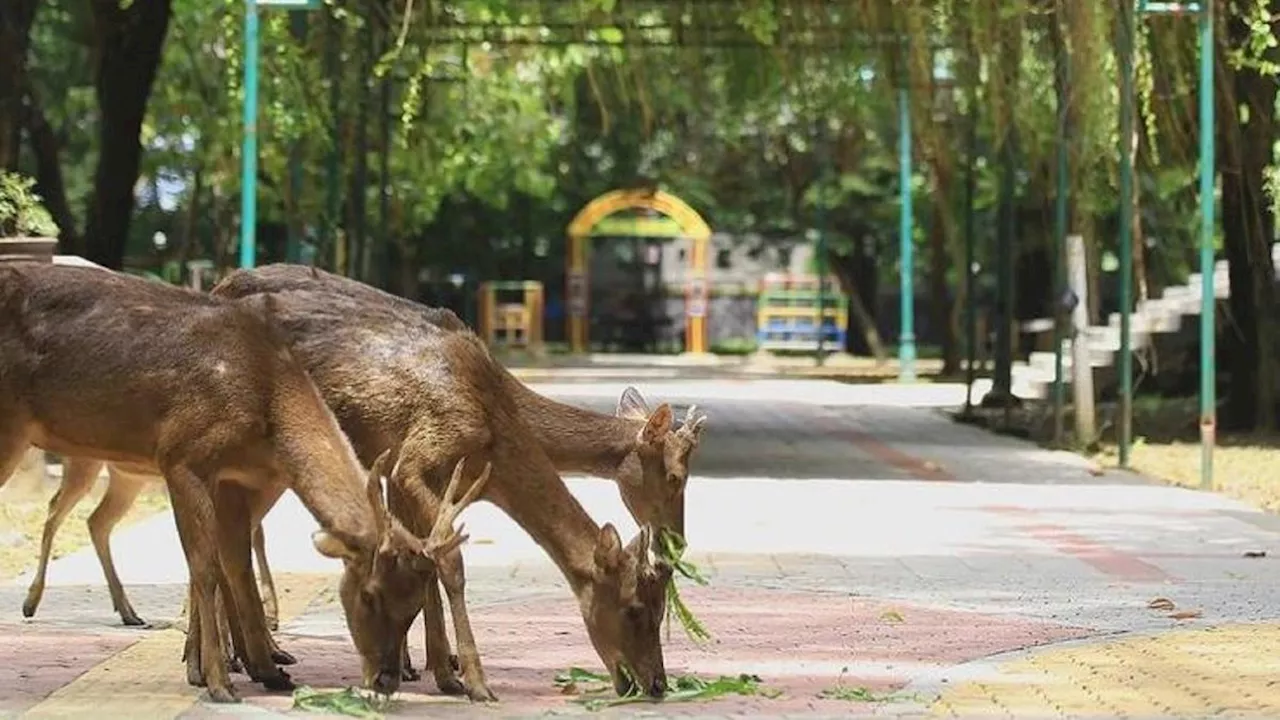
x,y
331,547
658,425
631,404
608,550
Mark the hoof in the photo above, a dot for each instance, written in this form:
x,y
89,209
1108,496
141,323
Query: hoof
x,y
221,696
281,657
481,694
451,686
234,665
410,674
132,620
28,609
278,683
194,678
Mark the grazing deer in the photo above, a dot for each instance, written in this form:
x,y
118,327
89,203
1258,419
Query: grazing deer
x,y
637,448
203,391
123,487
388,374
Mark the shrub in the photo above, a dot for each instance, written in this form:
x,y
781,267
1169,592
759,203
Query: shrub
x,y
22,213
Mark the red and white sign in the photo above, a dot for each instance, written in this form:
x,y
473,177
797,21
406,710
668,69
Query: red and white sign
x,y
696,297
577,292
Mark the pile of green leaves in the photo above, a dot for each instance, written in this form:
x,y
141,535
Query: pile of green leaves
x,y
350,702
589,688
673,546
22,214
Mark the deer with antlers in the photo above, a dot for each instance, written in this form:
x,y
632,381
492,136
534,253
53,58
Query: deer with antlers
x,y
389,372
643,451
204,392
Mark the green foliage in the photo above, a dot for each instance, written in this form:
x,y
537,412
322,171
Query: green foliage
x,y
22,214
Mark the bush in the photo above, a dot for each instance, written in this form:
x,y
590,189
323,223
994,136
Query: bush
x,y
22,213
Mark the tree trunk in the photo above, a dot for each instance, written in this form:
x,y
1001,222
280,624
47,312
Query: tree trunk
x,y
16,19
129,42
49,181
1250,333
1139,240
940,302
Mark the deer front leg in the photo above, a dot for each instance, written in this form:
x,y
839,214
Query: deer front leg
x,y
122,491
266,583
193,513
452,576
244,605
77,479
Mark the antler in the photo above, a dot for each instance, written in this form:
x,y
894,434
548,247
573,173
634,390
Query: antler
x,y
444,538
693,422
373,486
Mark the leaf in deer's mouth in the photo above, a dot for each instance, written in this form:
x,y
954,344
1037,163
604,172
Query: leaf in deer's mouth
x,y
673,547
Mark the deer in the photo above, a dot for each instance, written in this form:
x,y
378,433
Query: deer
x,y
205,393
642,450
124,484
390,374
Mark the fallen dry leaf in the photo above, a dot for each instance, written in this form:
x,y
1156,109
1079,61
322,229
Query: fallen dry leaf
x,y
892,616
1185,614
1255,553
931,466
1161,604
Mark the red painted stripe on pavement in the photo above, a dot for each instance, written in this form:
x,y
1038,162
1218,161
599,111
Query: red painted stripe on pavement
x,y
1101,557
893,457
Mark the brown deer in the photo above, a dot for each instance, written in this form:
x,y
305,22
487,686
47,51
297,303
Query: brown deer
x,y
203,392
123,487
389,373
639,449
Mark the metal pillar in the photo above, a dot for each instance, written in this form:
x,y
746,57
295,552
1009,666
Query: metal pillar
x,y
1062,86
1208,358
821,250
1126,231
906,336
249,144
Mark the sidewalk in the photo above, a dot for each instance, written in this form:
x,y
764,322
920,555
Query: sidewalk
x,y
855,540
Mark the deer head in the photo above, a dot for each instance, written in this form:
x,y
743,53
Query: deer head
x,y
384,583
653,475
624,606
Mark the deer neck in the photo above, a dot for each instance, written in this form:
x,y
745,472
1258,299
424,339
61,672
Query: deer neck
x,y
539,503
320,465
575,439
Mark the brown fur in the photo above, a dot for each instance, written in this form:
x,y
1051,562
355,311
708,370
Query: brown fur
x,y
389,372
101,365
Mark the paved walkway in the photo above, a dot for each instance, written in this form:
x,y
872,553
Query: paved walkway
x,y
857,541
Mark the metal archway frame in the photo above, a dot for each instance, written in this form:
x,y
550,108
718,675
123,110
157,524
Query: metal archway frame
x,y
691,225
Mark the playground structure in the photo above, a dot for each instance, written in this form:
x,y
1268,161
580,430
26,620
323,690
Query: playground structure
x,y
510,325
796,313
585,226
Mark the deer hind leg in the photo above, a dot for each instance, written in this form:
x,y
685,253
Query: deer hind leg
x,y
122,491
77,479
242,602
193,513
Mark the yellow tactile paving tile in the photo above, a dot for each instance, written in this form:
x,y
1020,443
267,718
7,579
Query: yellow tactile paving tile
x,y
1231,670
148,679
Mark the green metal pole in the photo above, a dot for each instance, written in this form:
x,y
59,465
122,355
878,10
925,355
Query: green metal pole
x,y
821,250
1208,371
970,252
1063,86
906,336
249,145
1126,229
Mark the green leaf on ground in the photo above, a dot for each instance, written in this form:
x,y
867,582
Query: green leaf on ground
x,y
681,688
350,702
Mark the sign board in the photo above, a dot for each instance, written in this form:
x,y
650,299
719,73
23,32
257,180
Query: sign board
x,y
696,297
577,292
